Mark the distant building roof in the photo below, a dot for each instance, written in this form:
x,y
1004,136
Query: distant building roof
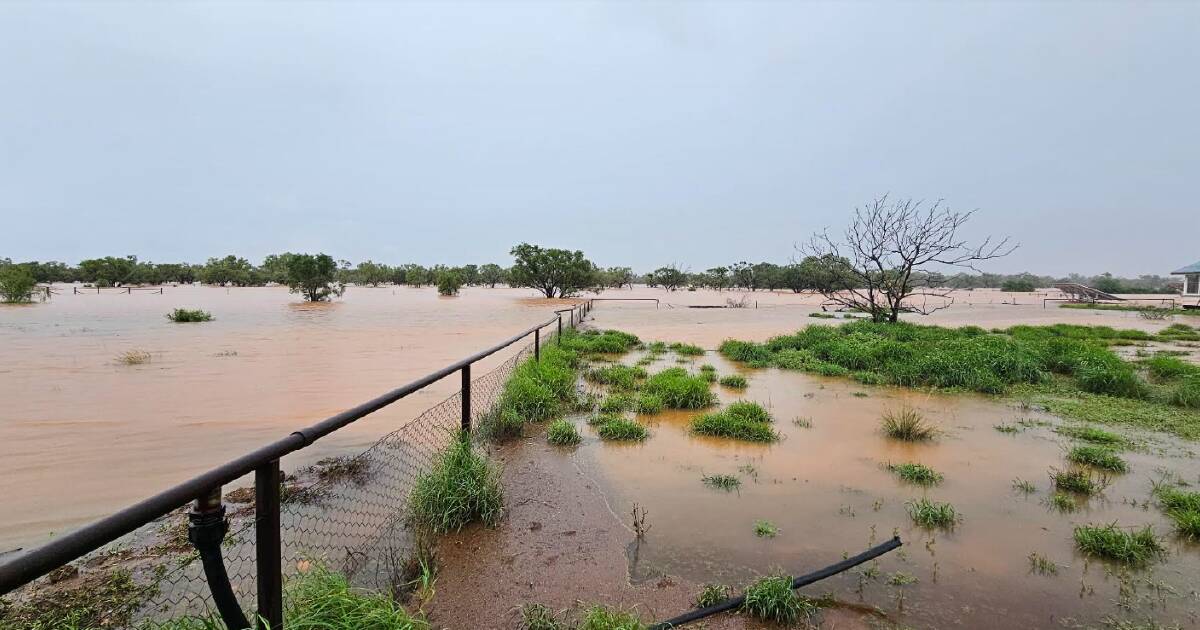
x,y
1192,268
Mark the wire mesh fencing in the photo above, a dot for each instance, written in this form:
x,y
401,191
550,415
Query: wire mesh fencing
x,y
348,514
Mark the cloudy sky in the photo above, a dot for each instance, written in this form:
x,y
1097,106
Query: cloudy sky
x,y
644,134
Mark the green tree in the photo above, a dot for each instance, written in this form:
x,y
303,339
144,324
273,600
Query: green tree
x,y
554,272
108,271
717,278
17,284
670,277
230,270
491,274
313,276
1018,285
372,273
416,275
1108,284
449,281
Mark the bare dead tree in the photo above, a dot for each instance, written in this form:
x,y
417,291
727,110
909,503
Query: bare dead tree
x,y
881,263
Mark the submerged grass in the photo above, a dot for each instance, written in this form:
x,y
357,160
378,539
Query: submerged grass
x,y
1098,457
539,617
463,486
765,529
1077,480
649,404
680,390
621,429
734,381
616,403
616,375
601,618
724,482
188,315
1133,547
932,514
686,349
713,594
742,420
772,599
907,424
916,473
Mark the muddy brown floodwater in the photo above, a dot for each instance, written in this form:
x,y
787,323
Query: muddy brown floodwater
x,y
82,434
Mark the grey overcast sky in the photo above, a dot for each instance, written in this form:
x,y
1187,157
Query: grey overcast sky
x,y
641,133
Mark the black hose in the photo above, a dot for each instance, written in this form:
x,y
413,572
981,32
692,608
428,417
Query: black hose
x,y
815,576
206,530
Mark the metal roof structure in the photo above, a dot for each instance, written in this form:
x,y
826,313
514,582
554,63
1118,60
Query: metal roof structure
x,y
1192,268
1083,293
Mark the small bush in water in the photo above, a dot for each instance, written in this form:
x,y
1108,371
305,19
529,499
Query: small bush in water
x,y
907,424
184,315
932,514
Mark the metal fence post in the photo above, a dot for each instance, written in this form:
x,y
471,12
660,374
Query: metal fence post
x,y
466,398
267,546
559,338
537,344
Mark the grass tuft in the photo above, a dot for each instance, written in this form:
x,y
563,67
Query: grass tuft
x,y
680,390
1091,434
622,429
1078,481
742,420
772,599
562,433
1133,547
734,381
687,349
463,486
916,473
649,404
907,424
1098,457
539,617
765,529
932,514
724,482
713,594
601,618
616,403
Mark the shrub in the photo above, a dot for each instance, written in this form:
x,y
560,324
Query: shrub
x,y
562,433
916,473
680,390
184,315
601,618
932,514
649,404
907,424
622,429
1111,542
1099,457
463,486
772,599
16,284
736,381
449,282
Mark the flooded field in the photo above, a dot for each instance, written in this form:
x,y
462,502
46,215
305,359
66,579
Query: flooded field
x,y
827,489
82,434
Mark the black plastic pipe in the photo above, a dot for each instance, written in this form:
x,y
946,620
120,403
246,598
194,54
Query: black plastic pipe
x,y
206,529
815,576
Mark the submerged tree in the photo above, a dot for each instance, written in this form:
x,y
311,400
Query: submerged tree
x,y
670,277
880,264
491,274
313,276
554,272
17,284
449,281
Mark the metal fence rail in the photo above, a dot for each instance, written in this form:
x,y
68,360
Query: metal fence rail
x,y
350,517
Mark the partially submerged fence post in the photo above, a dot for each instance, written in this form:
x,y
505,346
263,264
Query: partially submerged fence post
x,y
268,549
466,398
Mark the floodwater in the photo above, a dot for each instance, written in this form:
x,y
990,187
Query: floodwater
x,y
828,491
82,435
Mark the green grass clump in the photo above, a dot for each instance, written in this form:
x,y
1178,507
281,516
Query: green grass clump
x,y
1042,565
463,486
1007,428
713,594
539,617
1091,434
1167,367
1187,523
724,482
932,514
1099,457
708,367
736,381
1172,498
1114,543
597,342
820,315
916,473
772,599
1063,502
741,421
680,390
616,375
622,429
1077,480
1023,486
616,403
1187,393
745,352
649,404
541,390
186,315
601,418
499,424
765,529
601,618
687,349
907,424
656,347
562,433
323,599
